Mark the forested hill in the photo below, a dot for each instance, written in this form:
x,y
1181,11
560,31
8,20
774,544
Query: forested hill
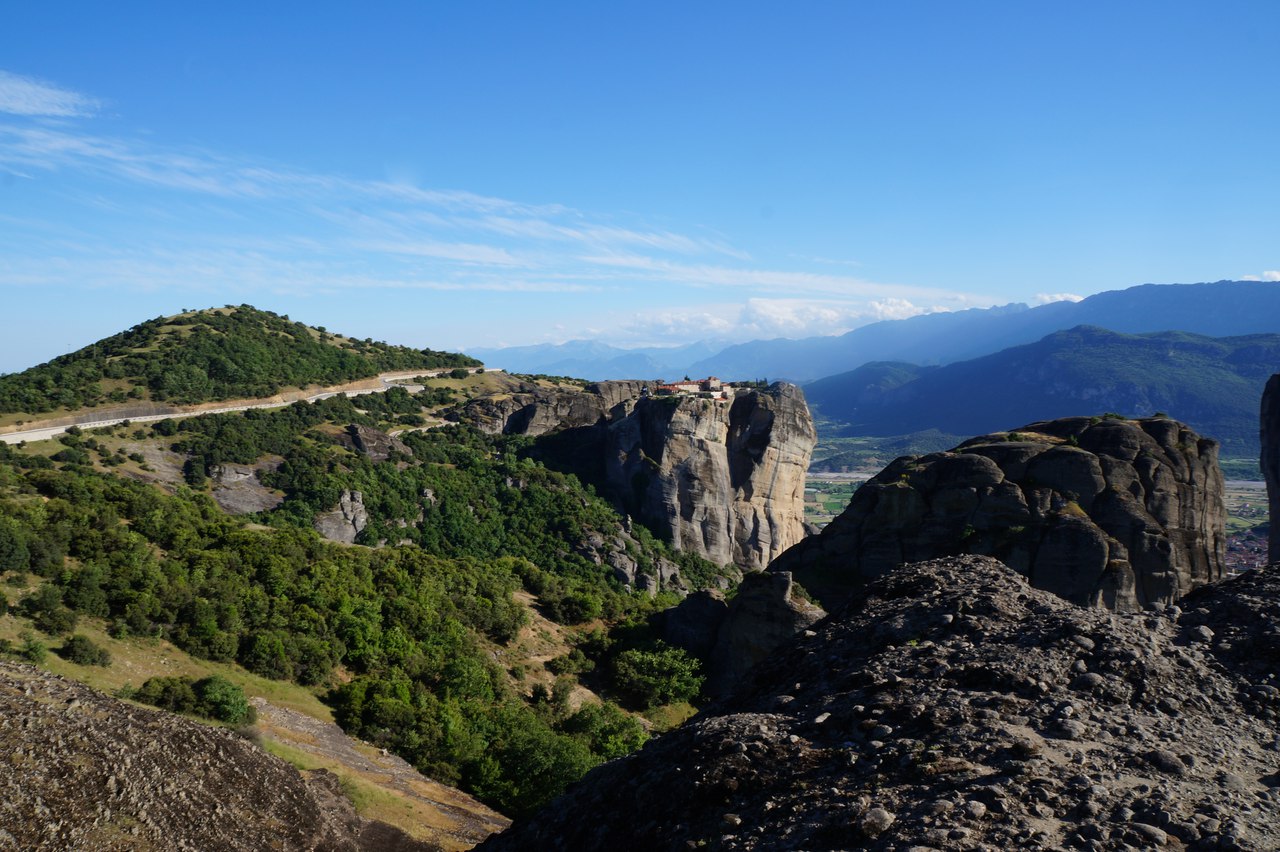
x,y
1211,383
219,353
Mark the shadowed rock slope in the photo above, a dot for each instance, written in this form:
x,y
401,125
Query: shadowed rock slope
x,y
952,706
1270,435
1102,511
81,771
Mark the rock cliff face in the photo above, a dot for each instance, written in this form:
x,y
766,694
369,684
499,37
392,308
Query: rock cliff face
x,y
1115,513
1271,459
720,478
952,706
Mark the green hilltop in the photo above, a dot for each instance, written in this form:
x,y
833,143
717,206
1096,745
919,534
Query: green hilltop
x,y
235,352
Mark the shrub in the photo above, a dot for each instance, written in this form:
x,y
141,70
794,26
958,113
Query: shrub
x,y
658,676
221,699
213,697
83,651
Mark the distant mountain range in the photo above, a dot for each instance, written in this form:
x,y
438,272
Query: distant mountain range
x,y
1213,384
1221,309
597,361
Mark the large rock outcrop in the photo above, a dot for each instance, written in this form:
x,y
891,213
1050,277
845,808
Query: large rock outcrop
x,y
954,707
1270,435
1105,512
722,478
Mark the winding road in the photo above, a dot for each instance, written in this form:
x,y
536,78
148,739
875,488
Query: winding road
x,y
388,381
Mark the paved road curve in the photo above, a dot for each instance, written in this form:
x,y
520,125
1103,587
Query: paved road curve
x,y
389,380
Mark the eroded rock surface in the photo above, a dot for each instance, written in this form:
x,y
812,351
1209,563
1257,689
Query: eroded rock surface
x,y
1270,435
345,521
952,706
720,478
373,443
1104,512
81,771
238,491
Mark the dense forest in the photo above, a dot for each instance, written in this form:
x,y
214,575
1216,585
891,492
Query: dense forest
x,y
226,353
398,637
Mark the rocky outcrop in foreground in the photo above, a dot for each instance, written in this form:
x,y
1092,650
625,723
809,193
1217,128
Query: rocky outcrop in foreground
x,y
720,478
1105,512
952,706
86,772
1270,435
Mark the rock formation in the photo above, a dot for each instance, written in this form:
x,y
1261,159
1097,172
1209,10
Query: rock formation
x,y
345,521
1270,436
1105,512
954,707
373,443
237,490
720,478
765,614
84,771
533,410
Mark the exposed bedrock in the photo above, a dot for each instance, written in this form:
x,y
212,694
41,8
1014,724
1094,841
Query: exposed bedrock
x,y
1104,512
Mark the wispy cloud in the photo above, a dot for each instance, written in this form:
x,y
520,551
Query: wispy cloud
x,y
160,218
1269,275
21,95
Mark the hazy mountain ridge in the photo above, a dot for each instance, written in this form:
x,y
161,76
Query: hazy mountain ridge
x,y
1213,384
1218,309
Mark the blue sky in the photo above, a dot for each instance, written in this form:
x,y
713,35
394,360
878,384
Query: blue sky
x,y
478,174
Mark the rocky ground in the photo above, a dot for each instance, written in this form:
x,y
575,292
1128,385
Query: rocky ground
x,y
82,771
952,706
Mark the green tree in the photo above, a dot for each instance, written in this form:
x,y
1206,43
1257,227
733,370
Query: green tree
x,y
657,676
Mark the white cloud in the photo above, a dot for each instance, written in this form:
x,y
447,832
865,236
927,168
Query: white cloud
x,y
28,96
1269,275
760,319
1048,298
